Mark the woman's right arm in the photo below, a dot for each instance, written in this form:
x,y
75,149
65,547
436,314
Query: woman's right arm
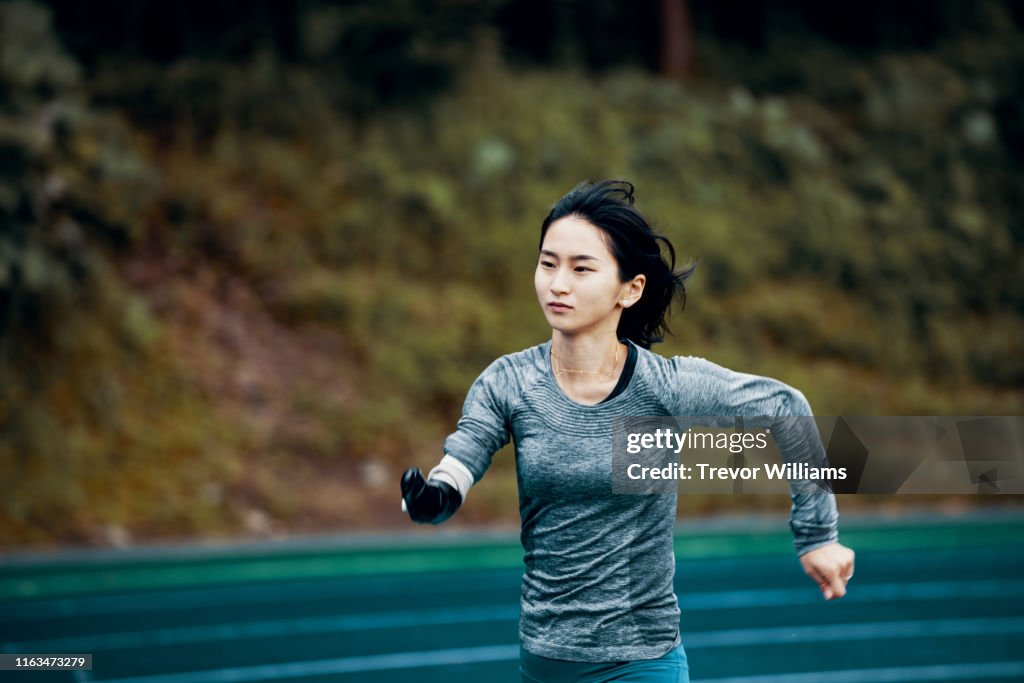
x,y
482,430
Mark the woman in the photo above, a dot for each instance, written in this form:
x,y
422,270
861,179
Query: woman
x,y
597,595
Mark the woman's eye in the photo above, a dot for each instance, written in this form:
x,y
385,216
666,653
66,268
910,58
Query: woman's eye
x,y
547,264
581,269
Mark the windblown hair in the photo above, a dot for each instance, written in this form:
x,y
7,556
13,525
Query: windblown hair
x,y
608,205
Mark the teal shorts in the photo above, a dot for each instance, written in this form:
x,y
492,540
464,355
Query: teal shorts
x,y
669,668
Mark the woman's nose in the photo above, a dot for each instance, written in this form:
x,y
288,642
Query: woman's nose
x,y
559,281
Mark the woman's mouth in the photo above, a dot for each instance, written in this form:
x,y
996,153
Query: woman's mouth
x,y
558,306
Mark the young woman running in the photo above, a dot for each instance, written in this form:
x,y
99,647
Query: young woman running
x,y
597,594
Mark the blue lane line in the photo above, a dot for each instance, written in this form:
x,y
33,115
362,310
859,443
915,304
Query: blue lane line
x,y
896,674
274,628
882,592
871,630
938,590
174,599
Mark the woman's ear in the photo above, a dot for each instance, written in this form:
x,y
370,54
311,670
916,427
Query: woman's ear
x,y
633,290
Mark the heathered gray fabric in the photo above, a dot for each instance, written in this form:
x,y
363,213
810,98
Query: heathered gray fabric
x,y
599,567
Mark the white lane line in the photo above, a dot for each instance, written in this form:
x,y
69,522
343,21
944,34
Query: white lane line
x,y
896,674
693,640
276,628
322,667
856,631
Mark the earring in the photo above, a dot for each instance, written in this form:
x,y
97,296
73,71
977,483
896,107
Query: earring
x,y
625,303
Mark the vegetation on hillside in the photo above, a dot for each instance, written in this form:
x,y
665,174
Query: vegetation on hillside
x,y
229,304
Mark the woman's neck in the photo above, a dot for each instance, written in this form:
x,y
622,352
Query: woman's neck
x,y
587,355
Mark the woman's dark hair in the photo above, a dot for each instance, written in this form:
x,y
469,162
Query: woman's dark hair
x,y
609,206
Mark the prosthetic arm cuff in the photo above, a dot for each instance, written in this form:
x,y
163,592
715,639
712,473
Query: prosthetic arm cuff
x,y
453,473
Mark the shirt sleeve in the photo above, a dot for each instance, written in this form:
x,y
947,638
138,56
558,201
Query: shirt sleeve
x,y
704,388
484,427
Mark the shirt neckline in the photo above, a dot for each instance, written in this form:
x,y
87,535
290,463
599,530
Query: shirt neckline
x,y
627,373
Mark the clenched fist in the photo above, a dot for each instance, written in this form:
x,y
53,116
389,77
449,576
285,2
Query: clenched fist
x,y
831,566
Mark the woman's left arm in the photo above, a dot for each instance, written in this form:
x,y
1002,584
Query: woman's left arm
x,y
713,390
814,518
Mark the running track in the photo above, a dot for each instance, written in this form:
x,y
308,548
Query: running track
x,y
933,599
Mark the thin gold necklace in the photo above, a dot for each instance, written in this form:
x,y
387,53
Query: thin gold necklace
x,y
604,375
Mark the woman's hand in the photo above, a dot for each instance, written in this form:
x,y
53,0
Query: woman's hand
x,y
831,567
428,502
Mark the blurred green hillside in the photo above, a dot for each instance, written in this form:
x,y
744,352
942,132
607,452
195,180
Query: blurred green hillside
x,y
239,297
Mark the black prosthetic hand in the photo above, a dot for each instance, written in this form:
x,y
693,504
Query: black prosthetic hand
x,y
428,502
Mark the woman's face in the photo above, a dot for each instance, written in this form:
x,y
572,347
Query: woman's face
x,y
577,279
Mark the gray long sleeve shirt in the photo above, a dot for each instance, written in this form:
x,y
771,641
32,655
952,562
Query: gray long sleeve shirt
x,y
599,567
